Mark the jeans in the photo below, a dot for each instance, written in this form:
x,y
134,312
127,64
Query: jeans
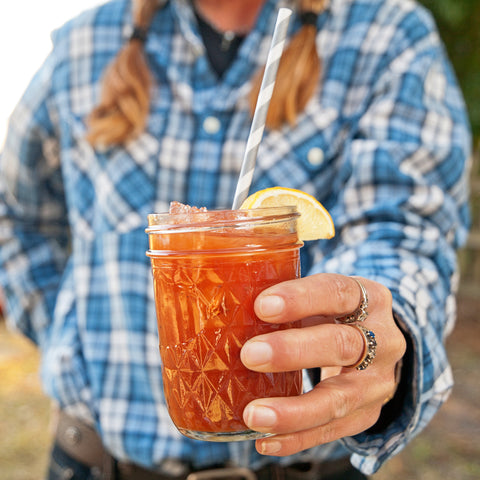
x,y
63,467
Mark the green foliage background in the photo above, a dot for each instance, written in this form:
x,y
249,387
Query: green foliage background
x,y
458,22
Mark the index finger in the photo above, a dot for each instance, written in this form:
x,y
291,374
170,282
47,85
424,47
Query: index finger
x,y
324,294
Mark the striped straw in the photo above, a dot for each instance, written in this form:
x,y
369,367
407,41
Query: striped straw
x,y
261,108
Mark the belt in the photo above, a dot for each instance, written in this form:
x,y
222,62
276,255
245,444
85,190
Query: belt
x,y
82,443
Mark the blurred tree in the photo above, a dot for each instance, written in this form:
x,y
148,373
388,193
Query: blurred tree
x,y
459,25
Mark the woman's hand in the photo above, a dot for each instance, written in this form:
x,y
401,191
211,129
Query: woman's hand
x,y
349,400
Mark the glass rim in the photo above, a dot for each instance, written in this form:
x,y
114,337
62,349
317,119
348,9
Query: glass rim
x,y
207,221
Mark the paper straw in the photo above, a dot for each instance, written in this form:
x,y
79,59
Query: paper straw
x,y
261,108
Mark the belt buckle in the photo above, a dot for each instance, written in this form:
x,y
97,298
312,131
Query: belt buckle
x,y
227,472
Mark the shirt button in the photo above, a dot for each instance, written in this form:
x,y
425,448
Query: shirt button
x,y
211,125
315,156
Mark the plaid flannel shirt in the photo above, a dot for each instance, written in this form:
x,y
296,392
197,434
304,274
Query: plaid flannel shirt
x,y
383,145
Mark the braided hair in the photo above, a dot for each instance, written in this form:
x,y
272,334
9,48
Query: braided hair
x,y
122,112
298,71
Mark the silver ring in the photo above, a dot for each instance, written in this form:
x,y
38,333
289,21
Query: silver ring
x,y
369,348
360,314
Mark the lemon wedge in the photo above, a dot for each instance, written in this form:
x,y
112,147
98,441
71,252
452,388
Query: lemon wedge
x,y
314,222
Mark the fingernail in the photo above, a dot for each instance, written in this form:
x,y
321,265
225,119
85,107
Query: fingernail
x,y
269,447
270,305
259,417
256,353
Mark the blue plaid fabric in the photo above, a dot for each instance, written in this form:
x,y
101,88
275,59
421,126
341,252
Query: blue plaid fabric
x,y
383,145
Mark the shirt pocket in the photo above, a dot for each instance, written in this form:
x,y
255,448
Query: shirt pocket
x,y
110,189
302,157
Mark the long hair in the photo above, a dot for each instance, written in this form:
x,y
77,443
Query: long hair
x,y
298,71
122,112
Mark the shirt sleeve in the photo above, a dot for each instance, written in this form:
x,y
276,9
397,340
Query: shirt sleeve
x,y
401,213
33,222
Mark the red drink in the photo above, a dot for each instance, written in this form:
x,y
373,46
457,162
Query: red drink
x,y
208,268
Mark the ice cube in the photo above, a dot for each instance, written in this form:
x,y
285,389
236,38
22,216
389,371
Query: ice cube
x,y
178,208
